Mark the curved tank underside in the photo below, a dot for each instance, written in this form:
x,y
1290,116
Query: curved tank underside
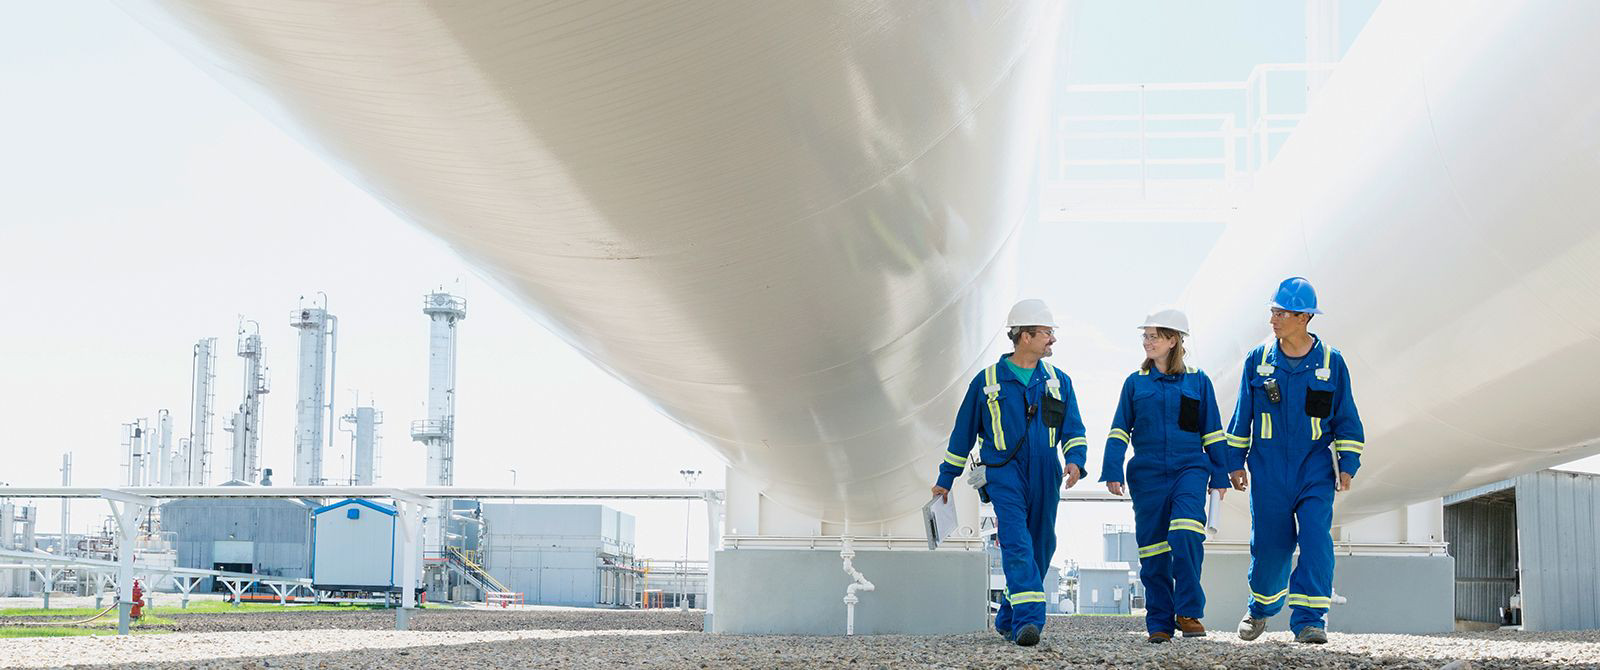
x,y
790,224
1441,197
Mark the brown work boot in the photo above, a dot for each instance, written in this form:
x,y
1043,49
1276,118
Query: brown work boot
x,y
1191,627
1158,638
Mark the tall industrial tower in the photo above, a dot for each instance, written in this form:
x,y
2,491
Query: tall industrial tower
x,y
363,422
246,423
197,457
319,335
135,453
164,465
437,431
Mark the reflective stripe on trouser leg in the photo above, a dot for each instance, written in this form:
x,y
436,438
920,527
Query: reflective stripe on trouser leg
x,y
1311,585
1020,545
1186,534
1150,520
1272,540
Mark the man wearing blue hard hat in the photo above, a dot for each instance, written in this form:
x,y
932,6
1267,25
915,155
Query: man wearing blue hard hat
x,y
1297,429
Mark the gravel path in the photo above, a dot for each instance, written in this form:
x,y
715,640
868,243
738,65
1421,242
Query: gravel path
x,y
560,638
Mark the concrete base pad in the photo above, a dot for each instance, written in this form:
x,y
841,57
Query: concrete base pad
x,y
1386,594
801,592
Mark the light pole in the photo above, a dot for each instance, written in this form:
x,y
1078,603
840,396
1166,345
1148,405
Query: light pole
x,y
683,575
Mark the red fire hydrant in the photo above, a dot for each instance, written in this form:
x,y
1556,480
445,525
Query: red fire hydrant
x,y
138,601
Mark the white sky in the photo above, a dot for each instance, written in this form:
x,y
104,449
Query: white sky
x,y
143,206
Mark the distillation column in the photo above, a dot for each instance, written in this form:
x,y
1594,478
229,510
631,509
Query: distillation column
x,y
318,337
363,422
437,432
133,450
246,423
202,394
162,466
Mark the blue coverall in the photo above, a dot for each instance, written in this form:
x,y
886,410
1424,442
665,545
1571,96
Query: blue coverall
x,y
1026,490
1171,420
1293,447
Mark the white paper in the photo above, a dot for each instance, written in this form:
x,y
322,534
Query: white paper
x,y
1211,512
939,519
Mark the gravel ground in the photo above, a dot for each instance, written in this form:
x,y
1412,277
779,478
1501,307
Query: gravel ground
x,y
560,638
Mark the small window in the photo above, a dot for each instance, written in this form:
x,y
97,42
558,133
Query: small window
x,y
1094,596
353,513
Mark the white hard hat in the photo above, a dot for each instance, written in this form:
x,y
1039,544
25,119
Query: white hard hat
x,y
1168,318
1030,312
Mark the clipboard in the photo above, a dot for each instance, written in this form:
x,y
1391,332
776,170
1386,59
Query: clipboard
x,y
939,520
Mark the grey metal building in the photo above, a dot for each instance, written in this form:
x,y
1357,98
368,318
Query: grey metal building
x,y
562,554
270,537
1103,588
1527,550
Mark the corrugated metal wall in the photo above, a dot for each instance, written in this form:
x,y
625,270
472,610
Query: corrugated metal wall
x,y
279,529
1558,515
1482,535
552,553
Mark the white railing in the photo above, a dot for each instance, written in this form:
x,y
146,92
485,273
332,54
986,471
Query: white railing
x,y
1228,129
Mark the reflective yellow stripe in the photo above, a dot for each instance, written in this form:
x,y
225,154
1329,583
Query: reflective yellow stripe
x,y
958,461
1316,428
1187,524
1266,426
1120,434
1213,438
1154,550
990,380
1316,602
1352,446
1076,442
1238,442
1026,597
1268,600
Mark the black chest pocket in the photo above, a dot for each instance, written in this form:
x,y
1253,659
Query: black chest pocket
x,y
1319,403
1189,414
1054,410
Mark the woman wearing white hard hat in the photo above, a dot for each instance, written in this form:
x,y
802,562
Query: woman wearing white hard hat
x,y
1168,414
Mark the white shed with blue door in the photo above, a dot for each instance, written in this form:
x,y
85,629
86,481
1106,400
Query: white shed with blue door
x,y
355,547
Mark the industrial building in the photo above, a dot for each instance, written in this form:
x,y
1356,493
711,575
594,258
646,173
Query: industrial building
x,y
1527,551
268,537
1103,588
563,554
355,546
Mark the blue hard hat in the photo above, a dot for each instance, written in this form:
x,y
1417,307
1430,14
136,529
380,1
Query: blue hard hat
x,y
1296,295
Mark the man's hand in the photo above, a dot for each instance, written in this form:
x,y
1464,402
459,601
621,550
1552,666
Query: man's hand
x,y
1344,481
1114,487
942,493
1073,473
1221,493
1240,479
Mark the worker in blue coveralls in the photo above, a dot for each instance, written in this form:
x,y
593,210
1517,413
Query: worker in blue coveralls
x,y
1296,426
1168,414
1019,411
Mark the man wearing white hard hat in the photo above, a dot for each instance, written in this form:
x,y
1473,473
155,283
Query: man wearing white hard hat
x,y
1019,411
1168,413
